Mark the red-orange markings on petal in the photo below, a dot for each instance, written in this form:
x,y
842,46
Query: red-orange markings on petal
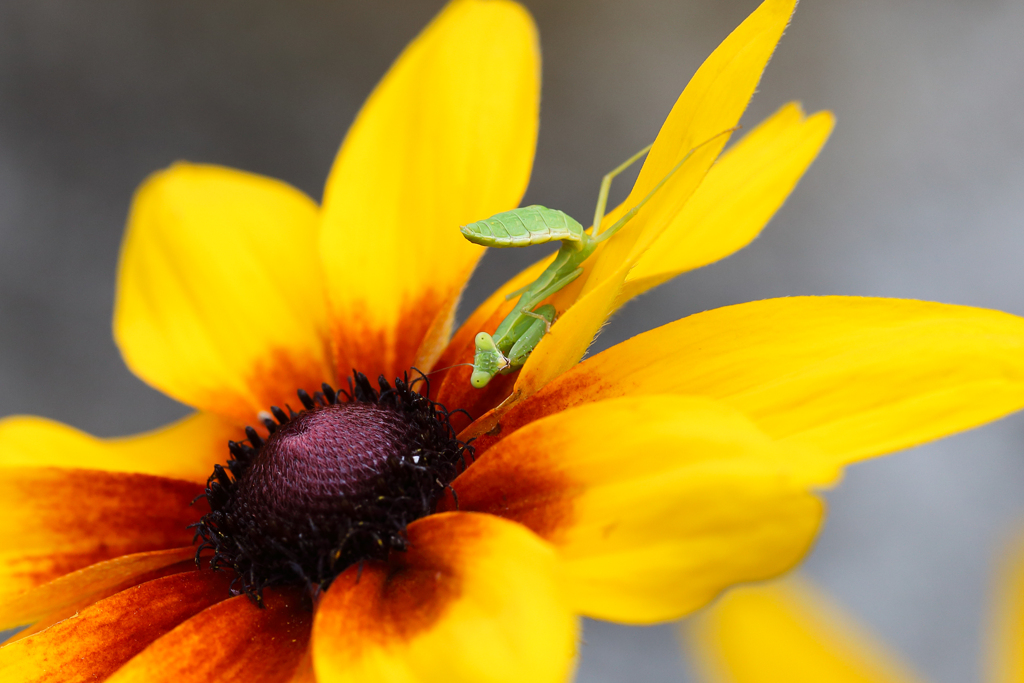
x,y
56,521
274,381
233,640
81,603
380,602
438,334
361,344
475,598
476,402
100,639
527,491
282,374
86,584
304,669
576,387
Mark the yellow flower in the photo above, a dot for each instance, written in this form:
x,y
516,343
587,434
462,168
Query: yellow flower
x,y
633,486
791,631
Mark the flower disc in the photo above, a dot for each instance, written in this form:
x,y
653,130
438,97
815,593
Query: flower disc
x,y
332,485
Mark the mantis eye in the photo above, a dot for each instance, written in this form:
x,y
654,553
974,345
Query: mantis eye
x,y
479,379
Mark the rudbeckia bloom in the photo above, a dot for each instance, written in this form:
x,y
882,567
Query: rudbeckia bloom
x,y
358,535
792,631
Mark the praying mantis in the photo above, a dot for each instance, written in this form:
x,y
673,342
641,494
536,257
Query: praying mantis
x,y
522,329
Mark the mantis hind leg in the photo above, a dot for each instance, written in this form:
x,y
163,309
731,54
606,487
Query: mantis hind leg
x,y
524,346
606,186
628,216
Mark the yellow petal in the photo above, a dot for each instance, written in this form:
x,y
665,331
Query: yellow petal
x,y
219,297
786,632
711,104
655,504
186,449
446,138
55,521
1005,651
233,641
473,599
852,377
739,195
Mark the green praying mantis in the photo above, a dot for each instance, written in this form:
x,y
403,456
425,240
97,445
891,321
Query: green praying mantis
x,y
522,329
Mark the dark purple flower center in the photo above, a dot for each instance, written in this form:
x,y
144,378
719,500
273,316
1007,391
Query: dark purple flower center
x,y
330,486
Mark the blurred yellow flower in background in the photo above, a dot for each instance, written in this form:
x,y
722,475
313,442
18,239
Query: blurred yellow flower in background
x,y
792,631
370,543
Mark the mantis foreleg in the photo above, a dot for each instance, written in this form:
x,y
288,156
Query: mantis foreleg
x,y
524,346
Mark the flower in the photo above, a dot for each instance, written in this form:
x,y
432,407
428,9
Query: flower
x,y
633,486
792,631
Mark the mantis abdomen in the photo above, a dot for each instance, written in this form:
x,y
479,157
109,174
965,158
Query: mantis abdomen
x,y
523,227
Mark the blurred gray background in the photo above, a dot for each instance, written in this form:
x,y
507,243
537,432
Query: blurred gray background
x,y
918,194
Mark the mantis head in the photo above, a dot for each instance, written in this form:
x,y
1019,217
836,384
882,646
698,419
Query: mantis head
x,y
487,362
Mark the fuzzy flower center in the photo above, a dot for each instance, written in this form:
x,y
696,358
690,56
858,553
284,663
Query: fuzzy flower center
x,y
331,486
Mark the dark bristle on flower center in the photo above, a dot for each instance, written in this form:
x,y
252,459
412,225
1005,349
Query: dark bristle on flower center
x,y
331,486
